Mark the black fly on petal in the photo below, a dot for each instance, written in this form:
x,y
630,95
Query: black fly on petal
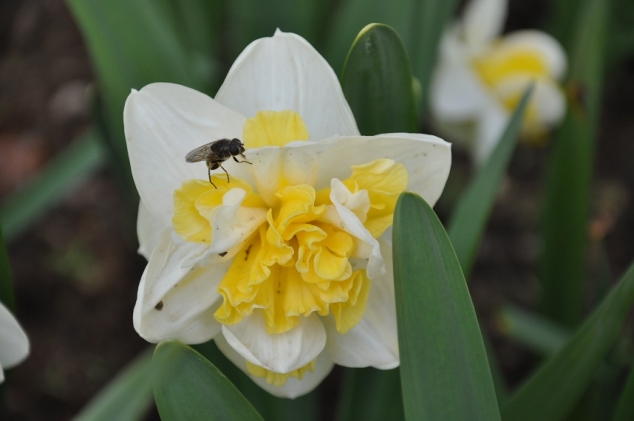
x,y
217,152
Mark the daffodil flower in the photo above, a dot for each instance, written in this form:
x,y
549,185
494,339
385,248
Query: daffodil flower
x,y
286,261
14,345
481,76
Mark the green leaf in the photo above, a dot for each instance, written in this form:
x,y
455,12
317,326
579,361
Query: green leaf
x,y
625,408
472,212
431,17
197,390
129,395
249,20
132,43
371,395
444,369
377,82
352,15
305,408
566,209
534,331
553,390
6,285
50,185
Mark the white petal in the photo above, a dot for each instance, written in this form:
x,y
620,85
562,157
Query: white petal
x,y
285,72
489,130
163,122
374,341
149,230
548,47
349,222
427,159
293,387
231,223
456,91
483,20
176,302
281,352
14,344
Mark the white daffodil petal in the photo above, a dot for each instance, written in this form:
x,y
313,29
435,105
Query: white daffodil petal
x,y
489,130
350,223
149,230
176,302
373,341
548,47
14,344
293,387
280,352
456,91
285,72
482,21
163,122
231,223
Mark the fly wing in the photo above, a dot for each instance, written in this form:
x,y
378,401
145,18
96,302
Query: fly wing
x,y
201,153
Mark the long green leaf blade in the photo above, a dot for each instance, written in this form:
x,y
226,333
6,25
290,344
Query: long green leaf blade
x,y
129,395
472,212
49,186
197,390
371,395
444,369
625,407
353,15
377,82
132,43
567,199
431,17
556,387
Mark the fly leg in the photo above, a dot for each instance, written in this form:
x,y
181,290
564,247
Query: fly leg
x,y
212,166
245,160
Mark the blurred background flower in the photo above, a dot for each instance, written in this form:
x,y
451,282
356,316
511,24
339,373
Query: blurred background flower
x,y
481,75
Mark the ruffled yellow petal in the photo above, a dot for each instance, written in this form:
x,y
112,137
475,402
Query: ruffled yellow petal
x,y
385,180
347,314
274,128
187,220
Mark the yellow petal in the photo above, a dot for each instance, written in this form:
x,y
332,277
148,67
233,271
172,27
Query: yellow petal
x,y
187,220
273,128
349,313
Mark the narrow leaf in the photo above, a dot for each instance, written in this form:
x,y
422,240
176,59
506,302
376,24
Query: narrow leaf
x,y
305,408
566,208
444,369
132,43
371,395
51,184
532,330
353,15
472,212
197,390
625,408
129,395
431,17
377,82
556,387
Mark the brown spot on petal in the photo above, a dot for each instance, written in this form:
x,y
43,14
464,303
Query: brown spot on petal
x,y
223,254
159,306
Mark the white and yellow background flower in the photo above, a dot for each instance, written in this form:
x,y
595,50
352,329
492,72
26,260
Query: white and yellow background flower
x,y
481,75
